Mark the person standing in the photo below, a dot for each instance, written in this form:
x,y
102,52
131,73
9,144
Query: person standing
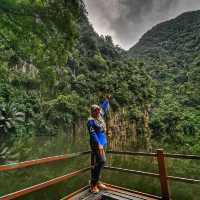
x,y
98,140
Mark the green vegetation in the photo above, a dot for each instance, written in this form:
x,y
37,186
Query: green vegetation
x,y
53,66
170,51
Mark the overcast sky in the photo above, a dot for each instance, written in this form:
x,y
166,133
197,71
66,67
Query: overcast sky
x,y
127,20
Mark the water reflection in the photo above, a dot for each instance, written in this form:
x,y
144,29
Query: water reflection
x,y
68,142
74,140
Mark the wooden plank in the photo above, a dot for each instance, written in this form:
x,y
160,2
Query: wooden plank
x,y
43,185
132,171
82,190
89,196
120,196
173,178
114,192
182,156
41,161
163,175
183,180
131,153
132,192
83,195
168,155
67,156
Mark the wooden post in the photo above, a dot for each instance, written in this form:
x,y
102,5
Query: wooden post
x,y
163,175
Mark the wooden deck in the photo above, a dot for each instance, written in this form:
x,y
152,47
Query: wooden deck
x,y
112,193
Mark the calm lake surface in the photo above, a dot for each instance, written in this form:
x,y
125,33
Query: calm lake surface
x,y
43,146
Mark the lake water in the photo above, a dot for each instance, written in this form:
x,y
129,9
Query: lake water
x,y
43,146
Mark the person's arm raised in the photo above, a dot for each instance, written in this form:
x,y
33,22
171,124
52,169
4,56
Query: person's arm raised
x,y
105,104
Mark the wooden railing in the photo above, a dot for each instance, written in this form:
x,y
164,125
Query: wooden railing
x,y
160,155
163,174
46,184
41,161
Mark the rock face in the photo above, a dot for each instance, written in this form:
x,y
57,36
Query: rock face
x,y
126,133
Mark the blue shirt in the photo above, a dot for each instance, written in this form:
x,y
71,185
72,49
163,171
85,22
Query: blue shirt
x,y
97,127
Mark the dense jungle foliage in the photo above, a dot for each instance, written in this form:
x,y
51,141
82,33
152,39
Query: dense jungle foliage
x,y
170,51
53,66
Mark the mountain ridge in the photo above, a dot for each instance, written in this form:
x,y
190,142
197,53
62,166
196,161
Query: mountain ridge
x,y
170,52
161,37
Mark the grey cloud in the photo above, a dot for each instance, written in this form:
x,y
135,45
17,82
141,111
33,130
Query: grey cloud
x,y
127,20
